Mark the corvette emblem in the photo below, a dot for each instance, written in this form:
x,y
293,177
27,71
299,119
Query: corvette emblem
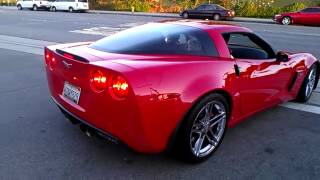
x,y
67,65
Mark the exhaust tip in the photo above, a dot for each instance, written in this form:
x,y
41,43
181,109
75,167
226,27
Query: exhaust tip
x,y
86,131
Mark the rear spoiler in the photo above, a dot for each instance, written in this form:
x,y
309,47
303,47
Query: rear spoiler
x,y
71,56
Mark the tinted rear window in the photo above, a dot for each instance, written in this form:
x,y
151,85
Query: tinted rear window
x,y
157,38
85,1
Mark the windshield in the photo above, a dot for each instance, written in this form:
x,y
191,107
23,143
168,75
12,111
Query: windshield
x,y
158,38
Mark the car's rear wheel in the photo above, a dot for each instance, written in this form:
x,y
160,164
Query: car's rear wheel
x,y
53,8
286,20
19,7
185,15
308,85
203,129
216,17
71,9
35,8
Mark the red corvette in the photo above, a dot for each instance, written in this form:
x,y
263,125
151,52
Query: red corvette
x,y
174,85
308,16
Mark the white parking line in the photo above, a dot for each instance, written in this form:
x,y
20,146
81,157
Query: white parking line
x,y
105,30
23,44
302,107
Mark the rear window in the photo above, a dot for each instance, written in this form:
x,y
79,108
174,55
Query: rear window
x,y
85,1
158,38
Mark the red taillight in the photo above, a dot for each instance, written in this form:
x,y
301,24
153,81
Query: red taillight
x,y
99,81
50,60
120,87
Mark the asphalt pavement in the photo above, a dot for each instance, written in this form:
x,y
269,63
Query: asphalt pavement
x,y
37,143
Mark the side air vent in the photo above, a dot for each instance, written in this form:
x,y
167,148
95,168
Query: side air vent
x,y
71,56
293,81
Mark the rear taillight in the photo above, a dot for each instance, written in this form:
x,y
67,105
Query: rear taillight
x,y
118,87
50,60
99,81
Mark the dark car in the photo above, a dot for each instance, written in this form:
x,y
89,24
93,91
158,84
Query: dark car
x,y
214,11
307,16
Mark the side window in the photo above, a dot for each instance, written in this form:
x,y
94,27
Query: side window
x,y
201,8
308,10
248,46
210,8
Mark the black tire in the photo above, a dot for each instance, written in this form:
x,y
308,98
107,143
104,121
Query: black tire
x,y
308,85
192,125
185,15
286,20
19,7
71,10
35,7
216,17
53,9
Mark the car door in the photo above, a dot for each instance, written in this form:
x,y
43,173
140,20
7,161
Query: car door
x,y
199,11
264,81
209,11
305,16
27,4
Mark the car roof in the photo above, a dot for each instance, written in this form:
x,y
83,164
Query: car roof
x,y
209,25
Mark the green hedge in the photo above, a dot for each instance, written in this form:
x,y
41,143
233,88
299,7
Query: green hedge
x,y
250,9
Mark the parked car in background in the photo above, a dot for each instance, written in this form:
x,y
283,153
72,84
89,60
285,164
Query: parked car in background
x,y
212,11
33,4
307,16
70,5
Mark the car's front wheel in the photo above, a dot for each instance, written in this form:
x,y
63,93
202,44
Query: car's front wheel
x,y
71,9
35,8
53,9
185,15
308,85
203,129
286,20
19,7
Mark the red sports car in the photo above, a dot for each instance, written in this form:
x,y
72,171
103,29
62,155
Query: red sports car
x,y
308,16
174,85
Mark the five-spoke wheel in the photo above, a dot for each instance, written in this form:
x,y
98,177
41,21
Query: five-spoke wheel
x,y
203,129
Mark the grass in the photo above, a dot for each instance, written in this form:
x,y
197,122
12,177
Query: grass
x,y
281,3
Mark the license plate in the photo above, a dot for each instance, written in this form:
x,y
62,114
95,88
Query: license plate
x,y
71,92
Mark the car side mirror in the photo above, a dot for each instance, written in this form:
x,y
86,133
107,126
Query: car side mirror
x,y
282,56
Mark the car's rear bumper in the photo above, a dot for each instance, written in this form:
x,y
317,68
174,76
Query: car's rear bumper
x,y
78,121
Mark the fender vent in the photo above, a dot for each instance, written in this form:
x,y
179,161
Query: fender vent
x,y
293,81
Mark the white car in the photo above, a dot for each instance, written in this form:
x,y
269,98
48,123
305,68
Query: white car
x,y
70,5
33,4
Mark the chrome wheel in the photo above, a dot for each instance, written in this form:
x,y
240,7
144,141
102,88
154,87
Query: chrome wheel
x,y
185,15
216,17
286,21
311,82
208,129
